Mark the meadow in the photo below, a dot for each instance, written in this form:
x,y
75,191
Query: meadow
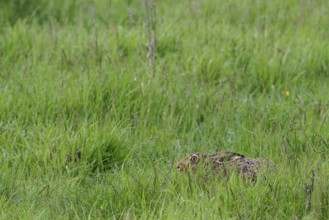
x,y
135,86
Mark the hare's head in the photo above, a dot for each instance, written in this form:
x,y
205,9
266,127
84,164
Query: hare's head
x,y
190,161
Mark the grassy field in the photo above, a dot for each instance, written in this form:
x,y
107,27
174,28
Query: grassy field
x,y
246,76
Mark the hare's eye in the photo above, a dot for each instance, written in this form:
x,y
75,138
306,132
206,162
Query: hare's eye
x,y
194,158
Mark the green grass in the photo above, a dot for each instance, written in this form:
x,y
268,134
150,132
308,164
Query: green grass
x,y
75,76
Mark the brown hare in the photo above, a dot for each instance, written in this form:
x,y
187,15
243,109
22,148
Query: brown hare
x,y
224,163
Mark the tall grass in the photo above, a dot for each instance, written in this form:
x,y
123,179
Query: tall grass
x,y
249,76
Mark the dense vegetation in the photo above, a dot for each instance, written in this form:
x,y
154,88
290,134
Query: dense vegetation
x,y
247,76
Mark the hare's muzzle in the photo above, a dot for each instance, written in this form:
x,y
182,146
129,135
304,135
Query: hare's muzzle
x,y
181,166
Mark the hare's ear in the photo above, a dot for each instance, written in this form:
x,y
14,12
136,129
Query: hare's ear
x,y
228,156
234,155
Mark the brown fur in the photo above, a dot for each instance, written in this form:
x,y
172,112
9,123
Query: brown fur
x,y
224,163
